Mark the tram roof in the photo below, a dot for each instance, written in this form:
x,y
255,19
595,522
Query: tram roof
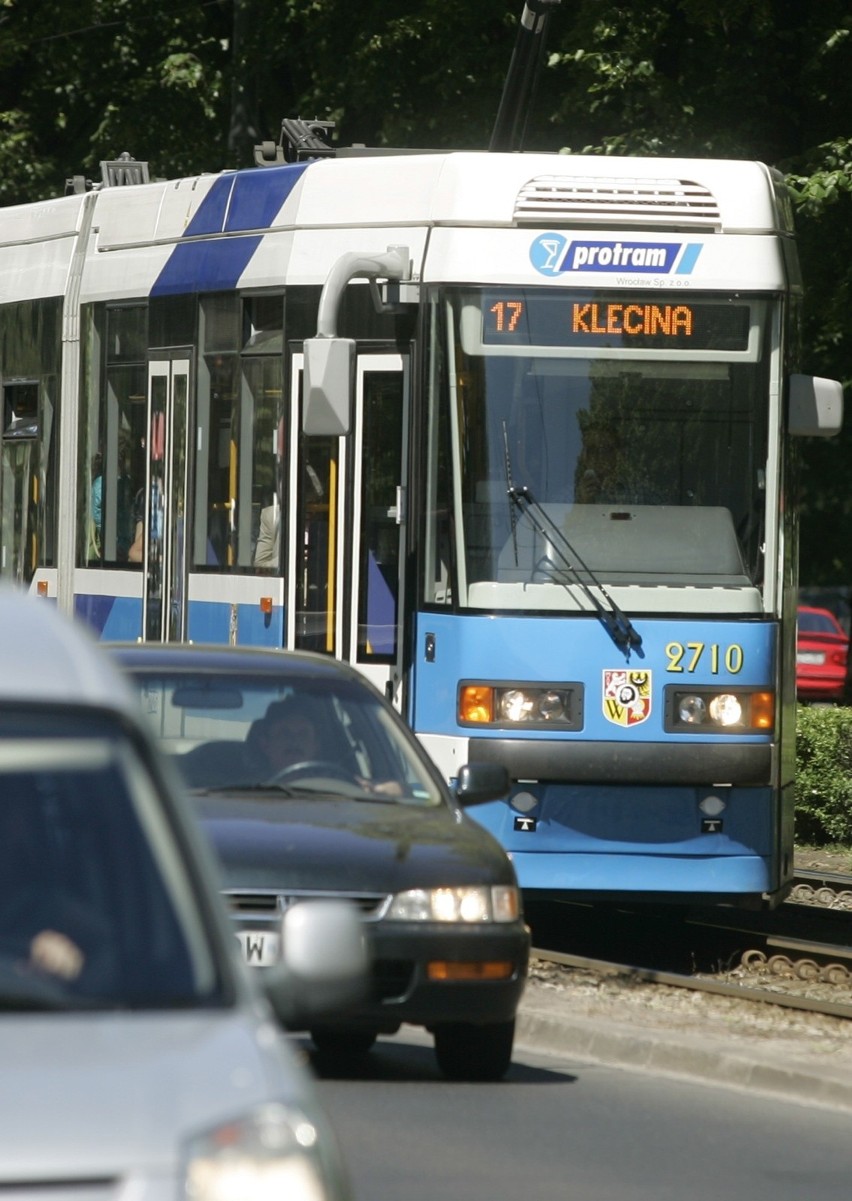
x,y
457,188
475,188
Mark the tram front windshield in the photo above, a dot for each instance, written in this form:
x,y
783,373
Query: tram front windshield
x,y
619,439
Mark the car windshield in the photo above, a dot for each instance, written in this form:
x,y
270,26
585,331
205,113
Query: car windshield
x,y
96,910
288,736
813,621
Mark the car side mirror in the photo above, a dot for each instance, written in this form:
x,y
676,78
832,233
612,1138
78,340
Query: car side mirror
x,y
480,782
324,965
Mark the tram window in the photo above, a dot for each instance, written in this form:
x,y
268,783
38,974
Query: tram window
x,y
358,318
439,577
127,333
239,467
117,466
217,396
20,409
220,317
300,310
239,412
29,474
263,321
30,347
380,528
172,321
111,461
260,411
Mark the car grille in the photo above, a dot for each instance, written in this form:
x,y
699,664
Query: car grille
x,y
392,979
264,904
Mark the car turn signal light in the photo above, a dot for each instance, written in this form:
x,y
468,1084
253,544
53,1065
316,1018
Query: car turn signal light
x,y
440,970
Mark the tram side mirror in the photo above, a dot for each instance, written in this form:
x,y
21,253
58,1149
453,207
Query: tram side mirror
x,y
815,406
329,369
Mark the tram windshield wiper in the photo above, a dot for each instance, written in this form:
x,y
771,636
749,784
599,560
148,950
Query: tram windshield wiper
x,y
615,622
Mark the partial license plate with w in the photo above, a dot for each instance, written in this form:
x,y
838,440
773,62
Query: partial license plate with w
x,y
261,948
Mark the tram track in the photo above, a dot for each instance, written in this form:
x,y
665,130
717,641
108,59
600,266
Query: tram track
x,y
701,984
797,956
832,890
807,939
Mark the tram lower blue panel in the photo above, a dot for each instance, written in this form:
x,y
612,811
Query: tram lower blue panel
x,y
634,839
707,876
210,621
119,619
605,834
113,618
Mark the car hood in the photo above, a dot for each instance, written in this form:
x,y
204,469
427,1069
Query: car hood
x,y
87,1096
348,845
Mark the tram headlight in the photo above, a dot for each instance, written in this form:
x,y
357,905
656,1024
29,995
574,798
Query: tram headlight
x,y
515,705
726,710
510,705
692,710
719,711
552,705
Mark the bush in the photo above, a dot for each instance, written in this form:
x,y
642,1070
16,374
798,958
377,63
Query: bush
x,y
823,775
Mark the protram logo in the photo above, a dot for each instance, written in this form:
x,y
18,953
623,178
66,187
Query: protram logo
x,y
554,254
626,696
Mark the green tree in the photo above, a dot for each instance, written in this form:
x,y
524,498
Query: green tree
x,y
193,85
85,82
743,79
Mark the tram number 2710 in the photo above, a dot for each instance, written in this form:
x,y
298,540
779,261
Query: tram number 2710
x,y
687,656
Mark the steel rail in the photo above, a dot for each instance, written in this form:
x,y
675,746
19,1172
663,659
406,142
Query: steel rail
x,y
694,983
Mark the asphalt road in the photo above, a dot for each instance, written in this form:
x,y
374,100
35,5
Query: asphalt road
x,y
558,1128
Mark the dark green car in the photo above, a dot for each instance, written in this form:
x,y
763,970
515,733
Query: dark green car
x,y
310,785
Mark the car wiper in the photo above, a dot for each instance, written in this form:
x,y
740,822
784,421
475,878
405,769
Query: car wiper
x,y
271,790
614,621
351,791
252,786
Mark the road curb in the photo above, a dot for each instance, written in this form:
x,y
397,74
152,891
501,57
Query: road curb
x,y
686,1056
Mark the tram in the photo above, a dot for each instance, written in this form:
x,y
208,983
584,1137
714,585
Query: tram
x,y
514,433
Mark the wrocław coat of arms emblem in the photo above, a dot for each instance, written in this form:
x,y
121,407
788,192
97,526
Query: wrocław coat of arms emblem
x,y
626,696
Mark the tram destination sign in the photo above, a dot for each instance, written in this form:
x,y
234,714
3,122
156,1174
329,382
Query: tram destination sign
x,y
546,318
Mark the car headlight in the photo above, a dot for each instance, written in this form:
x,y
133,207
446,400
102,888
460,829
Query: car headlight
x,y
476,904
271,1153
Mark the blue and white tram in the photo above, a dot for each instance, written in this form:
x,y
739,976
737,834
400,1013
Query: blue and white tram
x,y
514,433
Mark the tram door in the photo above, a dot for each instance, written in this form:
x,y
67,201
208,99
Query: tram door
x,y
164,505
347,527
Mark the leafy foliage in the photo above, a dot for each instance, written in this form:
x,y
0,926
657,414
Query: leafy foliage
x,y
88,81
824,775
192,85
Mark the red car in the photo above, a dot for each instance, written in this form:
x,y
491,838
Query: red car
x,y
822,648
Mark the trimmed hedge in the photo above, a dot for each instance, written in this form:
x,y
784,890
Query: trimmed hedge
x,y
823,775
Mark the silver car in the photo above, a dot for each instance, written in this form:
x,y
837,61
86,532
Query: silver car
x,y
138,1053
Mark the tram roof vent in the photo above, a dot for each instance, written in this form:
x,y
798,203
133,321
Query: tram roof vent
x,y
610,201
123,171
